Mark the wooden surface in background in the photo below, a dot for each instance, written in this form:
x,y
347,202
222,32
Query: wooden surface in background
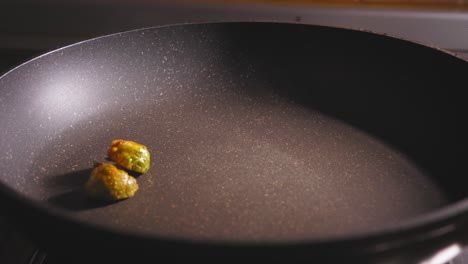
x,y
431,4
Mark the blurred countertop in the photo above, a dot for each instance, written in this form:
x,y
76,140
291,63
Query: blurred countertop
x,y
49,24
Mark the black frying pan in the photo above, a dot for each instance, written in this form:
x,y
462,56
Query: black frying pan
x,y
272,141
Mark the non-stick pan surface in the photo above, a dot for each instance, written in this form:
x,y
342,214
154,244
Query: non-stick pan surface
x,y
257,131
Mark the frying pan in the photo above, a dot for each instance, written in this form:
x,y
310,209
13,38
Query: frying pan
x,y
269,141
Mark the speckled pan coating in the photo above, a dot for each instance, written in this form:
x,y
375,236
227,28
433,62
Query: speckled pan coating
x,y
250,128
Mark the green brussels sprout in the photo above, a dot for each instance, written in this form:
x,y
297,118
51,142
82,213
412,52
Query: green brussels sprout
x,y
130,155
108,183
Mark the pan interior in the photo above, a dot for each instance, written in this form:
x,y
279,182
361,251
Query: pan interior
x,y
251,169
248,141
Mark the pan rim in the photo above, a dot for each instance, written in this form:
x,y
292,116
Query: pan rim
x,y
255,21
437,222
